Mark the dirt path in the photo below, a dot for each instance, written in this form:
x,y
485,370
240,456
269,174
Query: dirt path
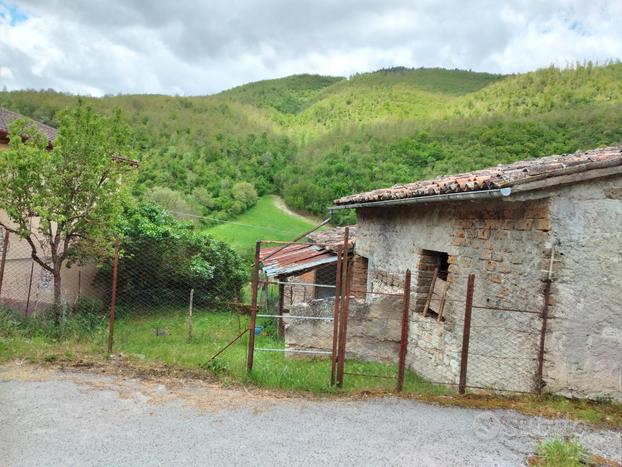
x,y
52,417
280,203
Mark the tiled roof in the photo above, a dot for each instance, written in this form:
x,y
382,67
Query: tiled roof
x,y
333,238
7,117
500,176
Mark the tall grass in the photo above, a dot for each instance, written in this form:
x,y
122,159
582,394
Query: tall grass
x,y
161,337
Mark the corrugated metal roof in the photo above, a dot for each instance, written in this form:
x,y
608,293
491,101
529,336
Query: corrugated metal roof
x,y
495,177
295,259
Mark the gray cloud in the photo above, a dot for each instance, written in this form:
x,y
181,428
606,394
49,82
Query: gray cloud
x,y
191,47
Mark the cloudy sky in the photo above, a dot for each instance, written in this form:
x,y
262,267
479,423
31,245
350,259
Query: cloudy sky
x,y
200,47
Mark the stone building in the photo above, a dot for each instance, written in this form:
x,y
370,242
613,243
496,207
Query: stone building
x,y
515,227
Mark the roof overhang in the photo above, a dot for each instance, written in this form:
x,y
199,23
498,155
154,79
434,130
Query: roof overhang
x,y
446,197
295,259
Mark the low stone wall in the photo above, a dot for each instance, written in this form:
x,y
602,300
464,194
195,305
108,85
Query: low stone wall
x,y
374,329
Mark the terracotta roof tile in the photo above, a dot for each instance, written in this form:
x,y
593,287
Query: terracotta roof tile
x,y
504,175
7,117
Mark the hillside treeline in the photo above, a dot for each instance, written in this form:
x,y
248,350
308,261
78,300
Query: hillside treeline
x,y
313,138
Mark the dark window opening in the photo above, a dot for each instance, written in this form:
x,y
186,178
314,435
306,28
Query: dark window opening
x,y
433,273
443,265
325,275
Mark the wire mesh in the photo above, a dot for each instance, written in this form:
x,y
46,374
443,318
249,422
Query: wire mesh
x,y
173,308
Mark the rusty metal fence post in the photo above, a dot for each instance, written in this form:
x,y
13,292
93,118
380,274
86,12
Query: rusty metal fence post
x,y
254,287
32,270
113,297
404,337
333,357
5,247
544,316
343,319
466,334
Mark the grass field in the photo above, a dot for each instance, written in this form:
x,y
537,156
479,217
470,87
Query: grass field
x,y
161,337
264,221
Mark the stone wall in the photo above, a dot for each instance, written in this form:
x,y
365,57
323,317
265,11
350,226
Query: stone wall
x,y
584,343
359,276
505,244
373,328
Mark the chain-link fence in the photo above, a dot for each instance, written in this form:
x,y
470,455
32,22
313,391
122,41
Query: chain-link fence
x,y
372,329
311,316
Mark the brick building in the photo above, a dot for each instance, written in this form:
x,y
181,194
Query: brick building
x,y
516,227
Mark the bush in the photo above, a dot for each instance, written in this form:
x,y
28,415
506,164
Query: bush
x,y
162,259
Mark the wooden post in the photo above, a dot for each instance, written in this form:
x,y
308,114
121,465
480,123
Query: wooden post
x,y
333,366
343,319
113,298
404,339
5,247
466,334
254,286
190,315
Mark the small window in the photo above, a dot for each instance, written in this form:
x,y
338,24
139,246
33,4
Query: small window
x,y
434,270
325,275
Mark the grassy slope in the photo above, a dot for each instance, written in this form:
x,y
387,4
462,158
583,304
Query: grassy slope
x,y
264,221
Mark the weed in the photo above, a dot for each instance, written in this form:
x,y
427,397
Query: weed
x,y
557,453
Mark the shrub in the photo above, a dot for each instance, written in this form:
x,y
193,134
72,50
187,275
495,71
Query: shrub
x,y
162,259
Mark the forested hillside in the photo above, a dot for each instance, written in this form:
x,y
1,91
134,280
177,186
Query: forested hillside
x,y
313,138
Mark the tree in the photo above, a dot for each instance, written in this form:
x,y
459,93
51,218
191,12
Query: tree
x,y
63,201
162,258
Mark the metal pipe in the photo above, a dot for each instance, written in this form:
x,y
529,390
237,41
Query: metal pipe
x,y
544,317
333,363
320,352
345,302
32,270
228,345
404,338
466,334
113,298
324,222
467,195
5,247
325,318
280,328
255,284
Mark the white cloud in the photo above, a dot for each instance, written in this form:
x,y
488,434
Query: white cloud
x,y
188,47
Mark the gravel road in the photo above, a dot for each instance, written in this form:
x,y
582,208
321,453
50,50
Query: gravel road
x,y
50,417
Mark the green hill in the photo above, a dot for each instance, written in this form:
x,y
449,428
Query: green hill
x,y
313,138
288,95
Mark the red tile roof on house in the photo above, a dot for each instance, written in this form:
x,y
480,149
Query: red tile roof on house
x,y
501,176
7,117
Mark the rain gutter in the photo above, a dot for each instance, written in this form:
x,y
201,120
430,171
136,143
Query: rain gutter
x,y
468,195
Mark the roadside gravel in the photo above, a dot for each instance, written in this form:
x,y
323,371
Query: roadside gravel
x,y
50,418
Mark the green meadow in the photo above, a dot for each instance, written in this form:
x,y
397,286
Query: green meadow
x,y
264,221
